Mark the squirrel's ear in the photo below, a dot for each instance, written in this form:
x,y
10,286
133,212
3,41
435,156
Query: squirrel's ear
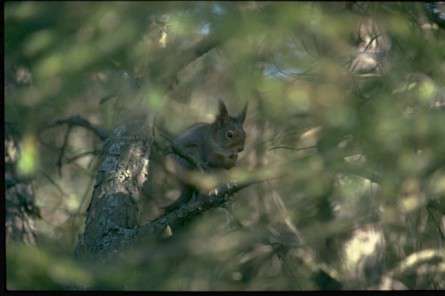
x,y
242,116
223,115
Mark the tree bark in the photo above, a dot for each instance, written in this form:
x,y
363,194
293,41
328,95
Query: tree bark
x,y
111,217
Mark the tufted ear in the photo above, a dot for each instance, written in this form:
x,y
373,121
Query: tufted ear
x,y
223,115
242,116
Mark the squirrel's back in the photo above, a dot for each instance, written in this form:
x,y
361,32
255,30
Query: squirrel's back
x,y
216,144
194,133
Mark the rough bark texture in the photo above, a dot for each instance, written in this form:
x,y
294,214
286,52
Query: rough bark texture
x,y
112,214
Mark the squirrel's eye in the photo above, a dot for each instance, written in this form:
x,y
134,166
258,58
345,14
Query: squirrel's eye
x,y
229,134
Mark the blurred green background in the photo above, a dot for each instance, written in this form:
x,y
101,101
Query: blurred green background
x,y
359,86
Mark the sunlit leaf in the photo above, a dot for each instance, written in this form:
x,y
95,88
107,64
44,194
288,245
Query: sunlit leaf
x,y
28,160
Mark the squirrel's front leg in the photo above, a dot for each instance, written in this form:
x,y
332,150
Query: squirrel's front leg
x,y
181,169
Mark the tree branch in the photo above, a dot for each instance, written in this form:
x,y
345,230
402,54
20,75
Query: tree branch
x,y
292,148
199,204
77,120
83,154
63,148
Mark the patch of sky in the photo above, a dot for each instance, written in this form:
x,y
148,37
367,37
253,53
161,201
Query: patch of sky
x,y
205,29
272,70
217,9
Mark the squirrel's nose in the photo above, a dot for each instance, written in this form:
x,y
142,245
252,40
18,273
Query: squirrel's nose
x,y
240,149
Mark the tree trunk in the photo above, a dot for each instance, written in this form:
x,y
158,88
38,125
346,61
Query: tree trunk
x,y
111,218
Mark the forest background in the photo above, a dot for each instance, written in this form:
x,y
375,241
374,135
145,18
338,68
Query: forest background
x,y
345,119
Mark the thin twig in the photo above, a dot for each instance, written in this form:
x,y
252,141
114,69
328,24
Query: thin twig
x,y
54,183
292,148
63,148
77,120
370,41
106,98
80,155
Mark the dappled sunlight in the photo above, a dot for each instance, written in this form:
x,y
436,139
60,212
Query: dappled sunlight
x,y
28,160
330,178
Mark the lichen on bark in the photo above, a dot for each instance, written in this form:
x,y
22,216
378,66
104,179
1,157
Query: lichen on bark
x,y
111,218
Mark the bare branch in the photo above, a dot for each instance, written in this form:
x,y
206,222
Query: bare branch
x,y
77,120
63,148
198,205
80,155
51,180
292,148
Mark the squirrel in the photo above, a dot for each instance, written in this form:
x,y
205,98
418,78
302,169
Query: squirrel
x,y
213,146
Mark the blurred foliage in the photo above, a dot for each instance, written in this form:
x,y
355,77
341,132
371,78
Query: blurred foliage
x,y
365,195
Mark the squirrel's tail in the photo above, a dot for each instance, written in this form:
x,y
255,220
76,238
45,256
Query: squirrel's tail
x,y
186,195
